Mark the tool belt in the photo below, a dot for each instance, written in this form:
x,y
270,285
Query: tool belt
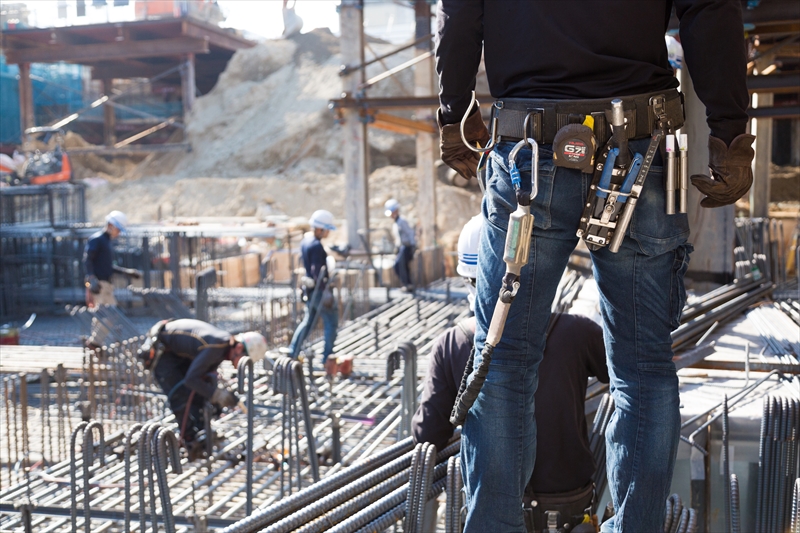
x,y
549,116
549,513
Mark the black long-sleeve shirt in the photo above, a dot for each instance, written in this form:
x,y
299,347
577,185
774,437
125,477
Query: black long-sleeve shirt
x,y
574,352
98,256
207,346
567,49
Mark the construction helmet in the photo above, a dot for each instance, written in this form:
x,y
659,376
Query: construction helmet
x,y
468,244
117,219
391,206
254,344
322,219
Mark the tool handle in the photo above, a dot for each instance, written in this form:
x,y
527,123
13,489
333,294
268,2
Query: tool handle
x,y
622,225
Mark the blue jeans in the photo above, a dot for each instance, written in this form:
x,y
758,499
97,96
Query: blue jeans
x,y
641,297
402,264
330,321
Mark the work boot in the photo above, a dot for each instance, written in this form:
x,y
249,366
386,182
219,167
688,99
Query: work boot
x,y
196,450
330,367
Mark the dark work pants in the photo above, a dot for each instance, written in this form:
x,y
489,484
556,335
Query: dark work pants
x,y
402,264
169,373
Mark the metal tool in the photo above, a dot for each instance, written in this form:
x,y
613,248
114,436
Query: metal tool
x,y
671,175
683,180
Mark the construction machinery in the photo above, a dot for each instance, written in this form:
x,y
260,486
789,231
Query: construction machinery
x,y
39,167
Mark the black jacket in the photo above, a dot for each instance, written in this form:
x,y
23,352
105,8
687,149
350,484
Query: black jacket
x,y
566,49
574,352
207,346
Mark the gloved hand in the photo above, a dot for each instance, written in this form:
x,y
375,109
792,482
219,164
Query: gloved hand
x,y
93,284
224,398
454,153
132,272
730,170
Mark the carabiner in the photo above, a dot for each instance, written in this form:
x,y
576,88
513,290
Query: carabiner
x,y
492,139
514,171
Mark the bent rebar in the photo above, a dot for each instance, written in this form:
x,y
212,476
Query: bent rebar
x,y
166,449
128,444
246,367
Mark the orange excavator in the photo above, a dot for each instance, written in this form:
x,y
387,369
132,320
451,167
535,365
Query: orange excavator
x,y
38,167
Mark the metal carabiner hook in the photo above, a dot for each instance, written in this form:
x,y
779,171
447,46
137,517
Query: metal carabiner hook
x,y
492,139
512,159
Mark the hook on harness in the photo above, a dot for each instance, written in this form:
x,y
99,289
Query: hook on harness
x,y
515,256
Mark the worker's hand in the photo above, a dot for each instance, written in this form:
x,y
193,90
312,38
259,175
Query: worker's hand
x,y
454,153
224,398
132,272
730,171
93,284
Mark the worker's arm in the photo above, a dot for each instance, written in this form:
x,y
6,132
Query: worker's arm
x,y
712,36
206,361
431,422
459,42
89,256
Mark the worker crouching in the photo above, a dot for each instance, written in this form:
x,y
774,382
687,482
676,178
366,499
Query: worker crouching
x,y
183,356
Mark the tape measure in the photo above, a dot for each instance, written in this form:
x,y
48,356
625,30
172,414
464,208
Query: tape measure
x,y
574,146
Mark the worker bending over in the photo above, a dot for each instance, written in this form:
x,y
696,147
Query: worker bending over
x,y
317,293
183,356
404,240
561,484
584,92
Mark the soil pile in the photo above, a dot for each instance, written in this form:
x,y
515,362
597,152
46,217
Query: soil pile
x,y
264,142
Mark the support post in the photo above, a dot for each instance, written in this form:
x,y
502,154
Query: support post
x,y
427,144
26,114
351,24
188,85
759,192
712,229
109,116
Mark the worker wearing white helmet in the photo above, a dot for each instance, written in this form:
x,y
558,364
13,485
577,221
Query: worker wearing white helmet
x,y
405,241
98,260
468,245
183,356
316,292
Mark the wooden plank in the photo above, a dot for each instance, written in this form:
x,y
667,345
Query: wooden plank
x,y
26,115
109,51
403,125
214,36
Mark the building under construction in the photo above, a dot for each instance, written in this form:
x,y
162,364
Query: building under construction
x,y
89,442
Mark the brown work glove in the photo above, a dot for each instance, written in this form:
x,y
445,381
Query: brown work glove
x,y
730,171
454,153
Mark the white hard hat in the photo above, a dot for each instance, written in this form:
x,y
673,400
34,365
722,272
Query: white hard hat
x,y
322,219
254,344
391,206
468,244
118,219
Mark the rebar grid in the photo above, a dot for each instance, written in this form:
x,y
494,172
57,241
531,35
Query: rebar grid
x,y
110,387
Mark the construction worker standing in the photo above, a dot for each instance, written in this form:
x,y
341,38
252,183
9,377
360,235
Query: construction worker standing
x,y
561,74
316,292
404,240
183,356
561,483
98,261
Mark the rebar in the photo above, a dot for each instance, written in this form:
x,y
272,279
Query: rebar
x,y
246,369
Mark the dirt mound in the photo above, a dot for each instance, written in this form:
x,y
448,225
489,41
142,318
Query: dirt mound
x,y
264,142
